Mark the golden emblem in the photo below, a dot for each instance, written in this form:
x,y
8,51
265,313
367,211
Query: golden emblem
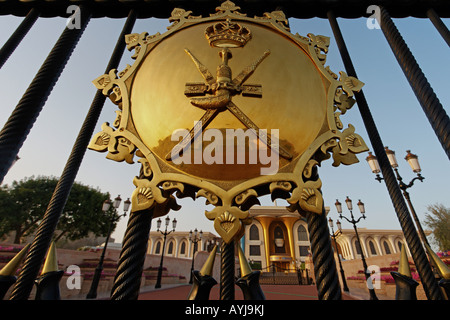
x,y
179,119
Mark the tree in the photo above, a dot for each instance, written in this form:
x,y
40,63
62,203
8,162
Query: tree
x,y
438,219
23,205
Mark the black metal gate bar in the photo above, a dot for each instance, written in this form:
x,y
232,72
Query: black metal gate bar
x,y
227,271
21,31
431,105
327,280
62,189
19,124
299,9
440,26
127,280
407,225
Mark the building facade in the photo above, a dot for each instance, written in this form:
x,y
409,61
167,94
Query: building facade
x,y
279,239
178,244
374,242
275,238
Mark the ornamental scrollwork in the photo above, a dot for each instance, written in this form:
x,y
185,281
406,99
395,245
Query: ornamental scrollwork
x,y
119,148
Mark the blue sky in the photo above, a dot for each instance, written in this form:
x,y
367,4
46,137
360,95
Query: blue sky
x,y
400,120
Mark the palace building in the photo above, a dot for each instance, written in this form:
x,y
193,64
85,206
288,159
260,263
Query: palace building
x,y
279,239
374,242
276,237
178,244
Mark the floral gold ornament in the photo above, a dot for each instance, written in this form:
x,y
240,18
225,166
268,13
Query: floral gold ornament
x,y
290,113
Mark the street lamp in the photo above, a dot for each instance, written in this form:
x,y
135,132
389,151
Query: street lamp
x,y
165,233
92,294
333,236
338,223
361,207
413,161
194,239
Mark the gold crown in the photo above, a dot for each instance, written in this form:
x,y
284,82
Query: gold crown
x,y
227,34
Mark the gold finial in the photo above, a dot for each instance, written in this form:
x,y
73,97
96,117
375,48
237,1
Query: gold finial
x,y
209,264
51,262
227,6
403,266
245,266
11,267
442,268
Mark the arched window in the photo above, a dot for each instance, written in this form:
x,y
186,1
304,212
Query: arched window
x,y
304,251
386,247
279,240
170,248
183,248
358,247
278,233
302,233
158,248
255,250
254,233
399,245
373,251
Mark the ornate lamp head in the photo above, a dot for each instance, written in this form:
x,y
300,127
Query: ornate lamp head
x,y
106,205
361,207
391,156
413,161
373,163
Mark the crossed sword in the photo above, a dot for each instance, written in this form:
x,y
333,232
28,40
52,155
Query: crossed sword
x,y
223,89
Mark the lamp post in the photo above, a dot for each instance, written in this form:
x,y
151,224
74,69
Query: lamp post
x,y
92,294
333,236
354,222
413,161
194,239
165,233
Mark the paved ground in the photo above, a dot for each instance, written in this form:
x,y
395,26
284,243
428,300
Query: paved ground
x,y
271,292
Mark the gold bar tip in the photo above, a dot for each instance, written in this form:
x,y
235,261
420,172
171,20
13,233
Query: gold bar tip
x,y
51,262
403,265
207,268
245,266
442,268
11,267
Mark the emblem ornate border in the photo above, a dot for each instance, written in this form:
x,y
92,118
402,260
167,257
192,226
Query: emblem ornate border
x,y
301,187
